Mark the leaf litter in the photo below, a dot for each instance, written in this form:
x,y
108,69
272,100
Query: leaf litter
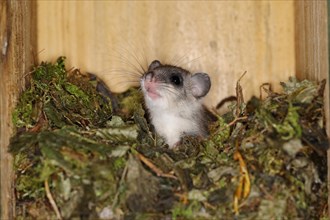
x,y
82,152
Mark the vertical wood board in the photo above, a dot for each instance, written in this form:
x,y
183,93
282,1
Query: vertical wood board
x,y
312,50
17,37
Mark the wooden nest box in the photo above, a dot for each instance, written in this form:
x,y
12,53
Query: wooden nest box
x,y
270,40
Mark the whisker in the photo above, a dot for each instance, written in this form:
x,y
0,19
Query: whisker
x,y
145,59
122,79
123,73
127,62
176,60
138,60
128,82
171,90
138,73
125,77
120,56
135,57
193,60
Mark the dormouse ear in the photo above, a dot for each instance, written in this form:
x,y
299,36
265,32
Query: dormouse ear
x,y
200,84
154,65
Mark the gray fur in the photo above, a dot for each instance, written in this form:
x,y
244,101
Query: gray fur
x,y
173,99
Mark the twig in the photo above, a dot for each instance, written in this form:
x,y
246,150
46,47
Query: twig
x,y
252,137
158,171
232,123
237,119
208,205
241,76
121,182
227,99
239,95
262,87
51,200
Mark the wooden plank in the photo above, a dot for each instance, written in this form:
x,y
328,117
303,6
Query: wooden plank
x,y
226,37
312,53
17,37
231,37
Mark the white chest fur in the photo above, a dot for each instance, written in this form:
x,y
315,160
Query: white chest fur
x,y
172,127
171,124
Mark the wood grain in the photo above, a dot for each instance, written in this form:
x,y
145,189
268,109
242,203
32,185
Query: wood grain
x,y
312,53
222,38
17,37
271,40
311,39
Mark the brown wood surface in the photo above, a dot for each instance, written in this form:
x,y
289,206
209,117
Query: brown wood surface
x,y
312,50
17,37
222,38
272,40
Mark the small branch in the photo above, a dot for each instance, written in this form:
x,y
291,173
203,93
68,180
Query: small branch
x,y
239,95
51,200
262,87
158,171
236,120
208,205
121,182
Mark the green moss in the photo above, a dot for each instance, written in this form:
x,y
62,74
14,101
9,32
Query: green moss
x,y
98,163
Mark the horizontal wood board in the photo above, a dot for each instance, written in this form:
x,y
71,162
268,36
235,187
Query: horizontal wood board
x,y
222,38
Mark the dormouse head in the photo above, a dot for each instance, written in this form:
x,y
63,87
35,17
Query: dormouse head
x,y
173,84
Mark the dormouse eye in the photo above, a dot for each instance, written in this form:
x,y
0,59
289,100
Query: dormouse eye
x,y
176,80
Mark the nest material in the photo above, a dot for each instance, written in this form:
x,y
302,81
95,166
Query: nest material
x,y
79,153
